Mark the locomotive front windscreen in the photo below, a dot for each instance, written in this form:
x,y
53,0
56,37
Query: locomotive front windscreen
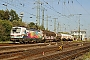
x,y
16,30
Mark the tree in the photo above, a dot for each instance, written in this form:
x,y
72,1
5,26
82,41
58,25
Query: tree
x,y
5,29
2,32
42,27
13,15
31,25
6,15
2,14
19,23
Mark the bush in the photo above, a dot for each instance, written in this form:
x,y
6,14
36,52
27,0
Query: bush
x,y
5,28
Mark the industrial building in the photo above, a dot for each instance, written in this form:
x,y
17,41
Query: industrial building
x,y
79,35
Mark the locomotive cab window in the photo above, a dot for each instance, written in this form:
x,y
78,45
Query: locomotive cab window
x,y
16,30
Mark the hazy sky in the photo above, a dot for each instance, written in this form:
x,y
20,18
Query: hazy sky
x,y
67,12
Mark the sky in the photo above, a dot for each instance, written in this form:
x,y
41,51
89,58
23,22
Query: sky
x,y
68,13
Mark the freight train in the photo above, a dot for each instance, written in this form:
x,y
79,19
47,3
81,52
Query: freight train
x,y
24,35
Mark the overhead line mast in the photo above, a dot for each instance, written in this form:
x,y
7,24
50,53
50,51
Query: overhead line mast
x,y
55,24
43,17
43,9
38,13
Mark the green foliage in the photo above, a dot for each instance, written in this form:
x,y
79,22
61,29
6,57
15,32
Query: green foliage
x,y
5,28
2,33
4,15
31,25
42,27
1,14
13,15
18,23
8,15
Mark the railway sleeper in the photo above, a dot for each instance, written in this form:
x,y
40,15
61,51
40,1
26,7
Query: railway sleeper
x,y
67,53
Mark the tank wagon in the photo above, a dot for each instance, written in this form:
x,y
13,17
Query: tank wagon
x,y
67,37
23,35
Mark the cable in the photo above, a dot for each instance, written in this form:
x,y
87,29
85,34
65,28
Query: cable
x,y
83,7
17,7
52,8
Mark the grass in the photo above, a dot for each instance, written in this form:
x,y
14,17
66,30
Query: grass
x,y
86,56
5,42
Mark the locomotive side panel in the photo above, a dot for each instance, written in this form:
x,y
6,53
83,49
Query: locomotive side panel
x,y
34,35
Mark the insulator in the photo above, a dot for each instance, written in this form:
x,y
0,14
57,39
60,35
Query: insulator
x,y
72,1
68,2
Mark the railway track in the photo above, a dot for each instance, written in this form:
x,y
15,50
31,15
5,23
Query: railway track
x,y
35,51
67,54
20,52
